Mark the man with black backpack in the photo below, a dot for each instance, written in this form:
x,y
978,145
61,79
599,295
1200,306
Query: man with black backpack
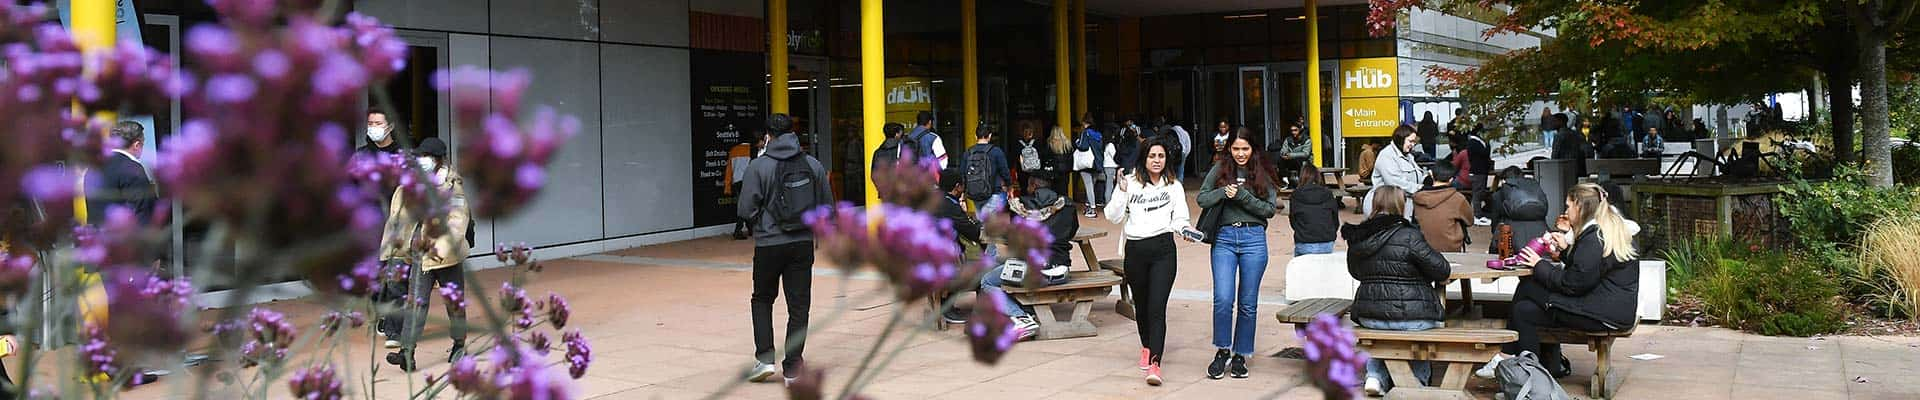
x,y
985,170
780,187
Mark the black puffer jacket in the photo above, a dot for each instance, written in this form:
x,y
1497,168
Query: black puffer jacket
x,y
1521,204
1057,213
1590,283
1314,214
1396,269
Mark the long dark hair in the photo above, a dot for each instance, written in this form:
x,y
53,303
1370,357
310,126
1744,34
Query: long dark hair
x,y
1258,172
1140,170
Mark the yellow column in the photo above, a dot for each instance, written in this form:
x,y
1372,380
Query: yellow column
x,y
1079,57
93,31
873,90
1063,97
777,53
970,69
1313,82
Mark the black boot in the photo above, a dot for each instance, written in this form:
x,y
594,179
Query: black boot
x,y
459,350
403,358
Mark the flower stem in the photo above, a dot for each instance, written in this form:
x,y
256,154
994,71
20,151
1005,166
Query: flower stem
x,y
899,314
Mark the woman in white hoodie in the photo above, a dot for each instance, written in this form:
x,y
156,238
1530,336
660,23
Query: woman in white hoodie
x,y
1151,208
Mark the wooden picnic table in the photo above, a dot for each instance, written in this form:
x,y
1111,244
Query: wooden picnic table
x,y
1468,267
1083,239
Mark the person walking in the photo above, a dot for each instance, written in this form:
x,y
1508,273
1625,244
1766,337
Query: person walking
x,y
1397,271
440,267
1090,141
780,187
1121,153
927,141
1429,131
1314,213
1151,209
1395,167
1594,287
984,169
1240,189
1060,171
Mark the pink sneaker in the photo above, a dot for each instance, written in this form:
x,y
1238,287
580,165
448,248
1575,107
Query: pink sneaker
x,y
1145,357
1153,375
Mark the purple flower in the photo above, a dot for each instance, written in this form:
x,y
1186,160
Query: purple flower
x,y
270,337
523,374
579,354
272,64
991,332
16,270
513,298
96,352
49,185
362,280
213,44
557,310
146,309
525,320
338,75
252,13
455,297
315,383
539,342
334,320
230,89
1334,365
465,376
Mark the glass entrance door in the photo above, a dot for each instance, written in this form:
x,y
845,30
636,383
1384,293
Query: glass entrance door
x,y
1253,102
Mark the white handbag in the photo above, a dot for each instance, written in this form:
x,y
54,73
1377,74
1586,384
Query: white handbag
x,y
1082,160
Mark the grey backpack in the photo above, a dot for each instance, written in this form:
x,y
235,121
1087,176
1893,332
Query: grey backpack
x,y
1524,378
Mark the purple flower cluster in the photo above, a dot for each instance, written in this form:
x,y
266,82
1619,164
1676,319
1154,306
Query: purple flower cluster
x,y
16,270
517,373
362,280
316,383
579,354
96,353
453,295
507,165
914,249
146,308
907,183
990,331
270,336
1024,237
557,310
332,322
1334,365
539,342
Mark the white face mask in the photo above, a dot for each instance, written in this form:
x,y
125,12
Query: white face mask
x,y
426,163
376,134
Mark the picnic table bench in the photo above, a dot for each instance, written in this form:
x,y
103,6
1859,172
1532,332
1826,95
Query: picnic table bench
x,y
1081,289
1301,313
1601,344
1459,349
1124,306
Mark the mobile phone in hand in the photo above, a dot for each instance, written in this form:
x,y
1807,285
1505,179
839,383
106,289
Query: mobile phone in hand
x,y
1193,235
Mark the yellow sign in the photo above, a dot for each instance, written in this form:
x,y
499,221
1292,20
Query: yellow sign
x,y
1370,77
1369,117
907,97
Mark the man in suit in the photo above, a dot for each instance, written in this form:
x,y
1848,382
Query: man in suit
x,y
122,179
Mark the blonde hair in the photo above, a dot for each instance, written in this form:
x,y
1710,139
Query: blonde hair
x,y
1590,202
1390,200
1059,141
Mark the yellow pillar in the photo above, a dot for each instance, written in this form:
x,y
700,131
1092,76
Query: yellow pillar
x,y
1063,97
1080,57
93,31
777,53
1313,82
873,91
970,69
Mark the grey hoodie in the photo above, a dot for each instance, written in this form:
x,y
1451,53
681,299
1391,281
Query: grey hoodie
x,y
762,178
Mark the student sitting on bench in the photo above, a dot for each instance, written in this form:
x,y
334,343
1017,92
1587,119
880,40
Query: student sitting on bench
x,y
1397,272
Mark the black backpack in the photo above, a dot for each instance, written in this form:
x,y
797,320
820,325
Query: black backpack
x,y
979,173
887,155
795,195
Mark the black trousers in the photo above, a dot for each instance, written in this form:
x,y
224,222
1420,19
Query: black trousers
x,y
1530,314
1150,267
1479,185
791,263
423,289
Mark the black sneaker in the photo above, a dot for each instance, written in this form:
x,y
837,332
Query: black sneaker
x,y
459,349
1218,369
954,316
403,358
1238,366
1565,369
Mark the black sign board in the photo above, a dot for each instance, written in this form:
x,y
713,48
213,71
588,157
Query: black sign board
x,y
729,94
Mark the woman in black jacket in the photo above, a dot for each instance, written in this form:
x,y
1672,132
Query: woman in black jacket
x,y
1397,271
1314,213
1594,288
1520,204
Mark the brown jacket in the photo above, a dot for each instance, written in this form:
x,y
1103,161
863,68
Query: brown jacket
x,y
449,249
1442,214
1365,167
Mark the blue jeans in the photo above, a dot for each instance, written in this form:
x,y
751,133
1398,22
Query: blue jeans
x,y
1239,261
1378,369
1301,249
990,286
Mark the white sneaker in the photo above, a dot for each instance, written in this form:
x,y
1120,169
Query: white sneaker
x,y
392,344
1482,222
760,373
1027,325
1486,372
1373,387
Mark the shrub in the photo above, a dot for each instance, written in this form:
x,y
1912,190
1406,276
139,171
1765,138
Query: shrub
x,y
1890,265
1686,259
1768,292
1834,213
1906,164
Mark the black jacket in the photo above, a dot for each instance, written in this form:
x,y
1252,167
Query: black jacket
x,y
1521,204
1057,214
122,182
966,228
1396,269
1479,156
1590,283
1314,214
1428,131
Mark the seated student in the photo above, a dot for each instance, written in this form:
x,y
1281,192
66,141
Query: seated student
x,y
1594,287
1520,204
1397,273
1314,213
1042,204
1442,213
966,228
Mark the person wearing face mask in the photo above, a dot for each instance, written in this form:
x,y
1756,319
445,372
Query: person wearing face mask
x,y
440,265
380,134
